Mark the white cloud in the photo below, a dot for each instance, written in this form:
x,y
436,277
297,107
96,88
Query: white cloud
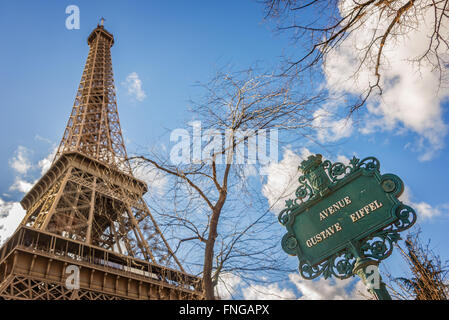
x,y
134,86
23,165
302,289
269,292
21,185
282,178
40,138
411,97
423,209
227,285
343,159
156,180
329,129
329,289
20,162
45,163
11,214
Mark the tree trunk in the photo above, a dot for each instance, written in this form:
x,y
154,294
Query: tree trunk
x,y
208,286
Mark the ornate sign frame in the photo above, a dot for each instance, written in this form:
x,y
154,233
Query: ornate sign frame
x,y
375,243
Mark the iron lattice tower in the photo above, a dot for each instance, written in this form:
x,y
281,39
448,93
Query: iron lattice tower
x,y
87,210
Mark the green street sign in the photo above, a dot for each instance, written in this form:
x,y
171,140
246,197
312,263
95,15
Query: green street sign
x,y
343,214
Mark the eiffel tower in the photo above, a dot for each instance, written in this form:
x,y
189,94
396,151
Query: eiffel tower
x,y
87,233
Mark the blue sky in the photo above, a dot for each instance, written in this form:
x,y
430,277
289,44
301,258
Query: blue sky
x,y
170,45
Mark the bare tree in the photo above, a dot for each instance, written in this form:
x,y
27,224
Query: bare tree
x,y
428,278
213,207
322,26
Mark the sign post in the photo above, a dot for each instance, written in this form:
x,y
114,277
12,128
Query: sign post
x,y
344,220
